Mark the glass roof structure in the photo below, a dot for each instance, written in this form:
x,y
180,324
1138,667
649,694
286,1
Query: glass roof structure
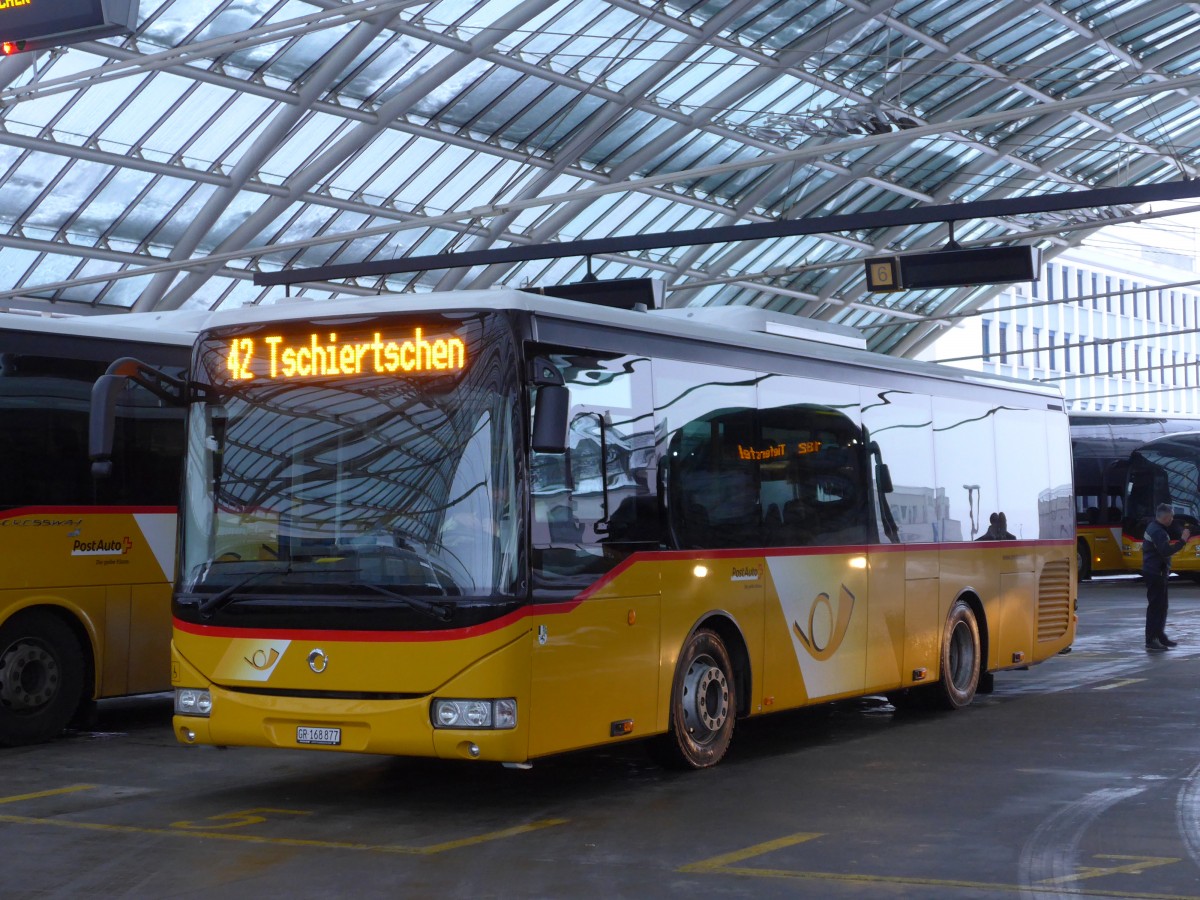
x,y
228,137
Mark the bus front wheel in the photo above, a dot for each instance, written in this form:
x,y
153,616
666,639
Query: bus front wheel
x,y
41,677
703,703
960,657
1083,560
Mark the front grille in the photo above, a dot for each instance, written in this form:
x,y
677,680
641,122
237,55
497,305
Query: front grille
x,y
1054,600
322,695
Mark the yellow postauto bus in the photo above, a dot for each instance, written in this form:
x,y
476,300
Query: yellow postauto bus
x,y
1165,470
85,568
1125,464
497,526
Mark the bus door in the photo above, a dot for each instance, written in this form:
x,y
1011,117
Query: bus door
x,y
594,515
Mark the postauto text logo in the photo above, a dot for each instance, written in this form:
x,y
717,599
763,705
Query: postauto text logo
x,y
102,547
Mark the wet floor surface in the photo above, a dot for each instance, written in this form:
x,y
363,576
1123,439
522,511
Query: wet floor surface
x,y
1078,777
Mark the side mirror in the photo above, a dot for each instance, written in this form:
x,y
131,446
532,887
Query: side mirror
x,y
883,478
550,418
102,422
103,413
883,475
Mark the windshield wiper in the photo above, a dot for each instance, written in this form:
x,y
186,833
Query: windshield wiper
x,y
226,596
440,611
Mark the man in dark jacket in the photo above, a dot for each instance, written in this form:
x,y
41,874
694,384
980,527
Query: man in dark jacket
x,y
1157,550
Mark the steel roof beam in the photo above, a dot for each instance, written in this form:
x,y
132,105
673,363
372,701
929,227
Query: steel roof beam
x,y
181,56
958,212
265,144
312,173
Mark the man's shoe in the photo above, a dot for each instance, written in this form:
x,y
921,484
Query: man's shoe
x,y
1156,644
1167,642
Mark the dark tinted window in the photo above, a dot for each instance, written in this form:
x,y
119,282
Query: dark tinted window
x,y
44,402
783,477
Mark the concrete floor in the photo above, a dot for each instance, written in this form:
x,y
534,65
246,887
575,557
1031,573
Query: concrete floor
x,y
1079,777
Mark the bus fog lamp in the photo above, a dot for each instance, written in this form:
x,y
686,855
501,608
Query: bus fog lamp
x,y
192,702
475,714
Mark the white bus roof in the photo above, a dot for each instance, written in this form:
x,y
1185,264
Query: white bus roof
x,y
726,327
152,328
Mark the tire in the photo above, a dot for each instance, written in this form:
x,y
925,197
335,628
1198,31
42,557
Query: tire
x,y
41,677
703,704
960,658
1083,561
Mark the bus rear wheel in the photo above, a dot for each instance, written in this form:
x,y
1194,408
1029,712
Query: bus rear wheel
x,y
960,657
41,677
1083,561
703,704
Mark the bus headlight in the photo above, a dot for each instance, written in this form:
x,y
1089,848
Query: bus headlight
x,y
496,714
192,702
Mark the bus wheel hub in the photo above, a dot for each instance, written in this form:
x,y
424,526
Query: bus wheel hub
x,y
706,693
28,677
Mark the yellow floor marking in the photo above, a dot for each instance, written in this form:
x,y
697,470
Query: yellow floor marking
x,y
493,836
1091,891
722,865
1141,864
288,842
1116,684
720,862
37,795
239,818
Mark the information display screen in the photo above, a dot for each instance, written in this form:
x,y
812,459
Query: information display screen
x,y
36,24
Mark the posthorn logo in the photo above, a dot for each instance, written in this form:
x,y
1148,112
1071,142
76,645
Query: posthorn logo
x,y
826,626
263,660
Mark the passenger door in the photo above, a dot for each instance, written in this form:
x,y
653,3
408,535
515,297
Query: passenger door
x,y
596,621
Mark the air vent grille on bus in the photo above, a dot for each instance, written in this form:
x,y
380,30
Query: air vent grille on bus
x,y
1054,600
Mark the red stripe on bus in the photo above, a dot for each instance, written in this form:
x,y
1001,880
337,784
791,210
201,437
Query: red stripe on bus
x,y
83,510
843,550
302,634
566,606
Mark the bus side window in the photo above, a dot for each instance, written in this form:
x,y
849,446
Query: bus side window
x,y
597,503
901,425
44,404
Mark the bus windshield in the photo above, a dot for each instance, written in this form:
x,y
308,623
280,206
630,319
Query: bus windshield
x,y
1166,470
371,460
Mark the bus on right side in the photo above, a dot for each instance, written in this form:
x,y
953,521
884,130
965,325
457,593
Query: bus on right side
x,y
1124,466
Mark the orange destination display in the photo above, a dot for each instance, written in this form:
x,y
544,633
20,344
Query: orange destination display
x,y
325,355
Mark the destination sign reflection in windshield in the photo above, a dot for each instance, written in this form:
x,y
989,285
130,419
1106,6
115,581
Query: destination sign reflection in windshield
x,y
325,355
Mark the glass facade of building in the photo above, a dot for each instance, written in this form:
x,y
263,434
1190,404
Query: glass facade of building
x,y
1117,332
